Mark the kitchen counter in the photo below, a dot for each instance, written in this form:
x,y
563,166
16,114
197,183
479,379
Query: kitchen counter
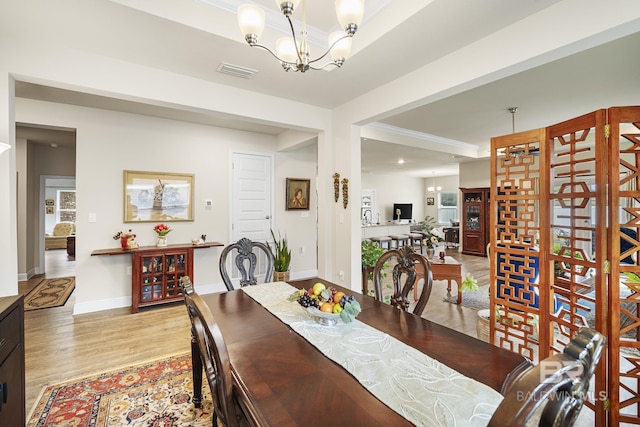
x,y
384,229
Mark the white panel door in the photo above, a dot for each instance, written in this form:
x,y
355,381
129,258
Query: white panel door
x,y
251,200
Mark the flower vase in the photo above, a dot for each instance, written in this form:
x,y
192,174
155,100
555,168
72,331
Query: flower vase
x,y
162,241
430,252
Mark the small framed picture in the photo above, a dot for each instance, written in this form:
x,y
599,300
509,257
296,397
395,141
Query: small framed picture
x,y
431,201
49,210
49,202
298,190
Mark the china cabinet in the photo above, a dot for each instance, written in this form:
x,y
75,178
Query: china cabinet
x,y
475,220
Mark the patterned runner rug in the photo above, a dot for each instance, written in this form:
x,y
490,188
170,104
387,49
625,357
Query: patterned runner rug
x,y
157,393
50,293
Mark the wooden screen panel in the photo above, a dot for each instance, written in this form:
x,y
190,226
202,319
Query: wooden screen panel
x,y
577,165
515,232
624,294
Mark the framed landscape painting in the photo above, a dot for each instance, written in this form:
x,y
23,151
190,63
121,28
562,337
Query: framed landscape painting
x,y
298,190
157,196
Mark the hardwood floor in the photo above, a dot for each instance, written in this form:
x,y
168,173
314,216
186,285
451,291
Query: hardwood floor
x,y
60,346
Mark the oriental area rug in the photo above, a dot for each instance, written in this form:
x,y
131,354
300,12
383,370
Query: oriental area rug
x,y
157,393
50,293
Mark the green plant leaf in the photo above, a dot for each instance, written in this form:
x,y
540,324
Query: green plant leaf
x,y
281,253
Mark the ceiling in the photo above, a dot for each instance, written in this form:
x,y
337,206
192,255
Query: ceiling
x,y
193,37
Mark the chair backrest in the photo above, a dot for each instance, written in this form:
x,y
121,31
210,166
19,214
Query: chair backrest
x,y
64,228
213,353
245,255
557,386
405,268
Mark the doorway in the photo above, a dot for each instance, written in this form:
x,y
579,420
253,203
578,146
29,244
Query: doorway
x,y
43,153
251,202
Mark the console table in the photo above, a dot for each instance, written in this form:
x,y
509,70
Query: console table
x,y
448,270
156,271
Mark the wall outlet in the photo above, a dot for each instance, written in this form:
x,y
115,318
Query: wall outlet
x,y
302,250
92,217
129,270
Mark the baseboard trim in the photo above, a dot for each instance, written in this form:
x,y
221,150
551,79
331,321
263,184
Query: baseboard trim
x,y
202,289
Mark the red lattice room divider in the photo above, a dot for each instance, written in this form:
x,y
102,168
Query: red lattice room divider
x,y
565,202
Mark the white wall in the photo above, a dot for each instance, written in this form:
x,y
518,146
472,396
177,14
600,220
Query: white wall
x,y
395,188
110,142
299,226
475,174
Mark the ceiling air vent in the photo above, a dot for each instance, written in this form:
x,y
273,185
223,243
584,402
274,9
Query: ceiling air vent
x,y
236,70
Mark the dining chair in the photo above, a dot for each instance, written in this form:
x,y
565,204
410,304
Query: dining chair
x,y
246,260
206,335
406,259
555,390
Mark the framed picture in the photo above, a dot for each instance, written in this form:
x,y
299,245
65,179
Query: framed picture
x,y
49,202
431,201
49,210
298,192
157,196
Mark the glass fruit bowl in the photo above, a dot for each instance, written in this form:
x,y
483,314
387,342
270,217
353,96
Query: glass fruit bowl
x,y
326,305
326,319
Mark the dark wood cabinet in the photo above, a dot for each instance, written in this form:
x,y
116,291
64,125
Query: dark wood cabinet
x,y
475,221
156,271
156,275
12,379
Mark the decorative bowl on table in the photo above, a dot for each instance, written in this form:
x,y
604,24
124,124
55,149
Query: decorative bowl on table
x,y
326,319
327,306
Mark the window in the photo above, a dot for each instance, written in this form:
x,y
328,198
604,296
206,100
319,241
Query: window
x,y
447,207
67,203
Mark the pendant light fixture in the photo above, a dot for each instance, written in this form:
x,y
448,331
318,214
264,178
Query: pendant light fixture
x,y
433,188
293,53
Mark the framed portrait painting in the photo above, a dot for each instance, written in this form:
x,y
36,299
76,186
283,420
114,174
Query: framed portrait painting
x,y
157,196
298,193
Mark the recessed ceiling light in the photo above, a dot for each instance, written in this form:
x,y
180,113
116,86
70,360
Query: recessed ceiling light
x,y
54,145
401,161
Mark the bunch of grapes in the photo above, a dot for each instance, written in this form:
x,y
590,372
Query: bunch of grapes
x,y
345,299
305,300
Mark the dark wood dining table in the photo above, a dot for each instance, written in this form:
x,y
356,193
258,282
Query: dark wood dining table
x,y
280,379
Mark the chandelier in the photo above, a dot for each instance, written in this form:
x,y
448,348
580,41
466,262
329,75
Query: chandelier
x,y
433,188
292,53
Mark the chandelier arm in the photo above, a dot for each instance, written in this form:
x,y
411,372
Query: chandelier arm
x,y
325,66
295,41
329,50
272,54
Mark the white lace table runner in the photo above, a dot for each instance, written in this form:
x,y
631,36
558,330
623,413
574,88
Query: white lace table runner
x,y
421,389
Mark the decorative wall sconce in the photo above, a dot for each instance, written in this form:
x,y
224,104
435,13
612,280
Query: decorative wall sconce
x,y
345,192
336,186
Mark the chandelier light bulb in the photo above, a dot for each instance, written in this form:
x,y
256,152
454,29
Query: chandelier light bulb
x,y
350,13
341,46
251,21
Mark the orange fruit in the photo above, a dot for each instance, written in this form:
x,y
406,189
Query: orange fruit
x,y
327,307
338,296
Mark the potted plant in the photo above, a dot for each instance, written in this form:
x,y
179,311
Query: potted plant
x,y
282,258
371,252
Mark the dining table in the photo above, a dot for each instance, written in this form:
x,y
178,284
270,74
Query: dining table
x,y
281,379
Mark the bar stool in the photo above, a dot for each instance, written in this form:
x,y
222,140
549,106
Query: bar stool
x,y
416,239
382,240
400,239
